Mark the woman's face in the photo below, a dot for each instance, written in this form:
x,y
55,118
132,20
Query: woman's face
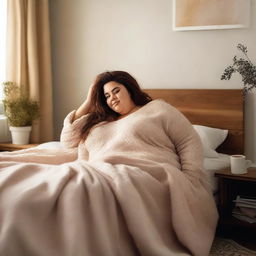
x,y
118,98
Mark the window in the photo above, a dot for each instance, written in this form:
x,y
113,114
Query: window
x,y
3,25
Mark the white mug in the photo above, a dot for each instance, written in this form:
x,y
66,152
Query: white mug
x,y
239,164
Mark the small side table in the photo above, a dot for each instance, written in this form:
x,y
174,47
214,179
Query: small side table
x,y
13,147
230,186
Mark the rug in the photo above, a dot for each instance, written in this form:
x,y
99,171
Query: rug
x,y
227,247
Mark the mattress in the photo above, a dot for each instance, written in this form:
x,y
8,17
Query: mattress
x,y
211,165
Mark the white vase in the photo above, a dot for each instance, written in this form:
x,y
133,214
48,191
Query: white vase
x,y
20,135
250,126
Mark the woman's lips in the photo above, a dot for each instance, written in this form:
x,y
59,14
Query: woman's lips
x,y
115,104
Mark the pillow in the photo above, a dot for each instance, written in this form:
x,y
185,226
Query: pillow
x,y
50,145
211,138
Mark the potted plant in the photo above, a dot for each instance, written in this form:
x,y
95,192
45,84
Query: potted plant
x,y
245,68
20,111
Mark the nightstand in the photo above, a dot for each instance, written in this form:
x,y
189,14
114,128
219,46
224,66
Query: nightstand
x,y
13,147
230,186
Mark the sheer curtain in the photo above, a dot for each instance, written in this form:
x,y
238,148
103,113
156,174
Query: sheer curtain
x,y
29,59
3,11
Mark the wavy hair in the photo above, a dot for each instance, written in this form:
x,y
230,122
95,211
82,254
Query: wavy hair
x,y
99,110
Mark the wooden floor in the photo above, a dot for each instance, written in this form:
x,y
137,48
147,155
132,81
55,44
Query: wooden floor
x,y
247,242
244,237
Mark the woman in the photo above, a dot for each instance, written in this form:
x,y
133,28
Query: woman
x,y
119,124
137,187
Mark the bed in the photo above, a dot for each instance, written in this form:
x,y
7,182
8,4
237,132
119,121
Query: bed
x,y
207,108
136,202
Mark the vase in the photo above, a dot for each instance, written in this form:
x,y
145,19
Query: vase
x,y
250,126
20,135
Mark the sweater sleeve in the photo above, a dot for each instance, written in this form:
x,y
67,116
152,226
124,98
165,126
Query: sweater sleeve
x,y
186,141
71,132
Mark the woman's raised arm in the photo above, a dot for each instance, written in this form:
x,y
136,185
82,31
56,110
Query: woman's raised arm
x,y
85,107
73,123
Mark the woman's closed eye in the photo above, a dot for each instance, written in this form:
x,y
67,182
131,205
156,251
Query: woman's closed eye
x,y
116,90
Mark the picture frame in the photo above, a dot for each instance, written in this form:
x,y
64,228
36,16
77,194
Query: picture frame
x,y
210,14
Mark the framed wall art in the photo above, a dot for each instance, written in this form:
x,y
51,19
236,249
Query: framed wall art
x,y
210,14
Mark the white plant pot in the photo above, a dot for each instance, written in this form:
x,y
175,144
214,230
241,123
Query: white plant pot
x,y
20,135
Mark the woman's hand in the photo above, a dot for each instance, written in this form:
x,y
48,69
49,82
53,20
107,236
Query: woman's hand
x,y
84,108
89,95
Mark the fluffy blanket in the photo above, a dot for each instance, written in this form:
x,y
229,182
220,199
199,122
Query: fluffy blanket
x,y
135,186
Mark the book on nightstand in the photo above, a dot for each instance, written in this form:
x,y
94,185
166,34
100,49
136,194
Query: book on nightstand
x,y
245,209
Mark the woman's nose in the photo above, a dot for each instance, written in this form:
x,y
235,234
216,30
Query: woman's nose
x,y
113,97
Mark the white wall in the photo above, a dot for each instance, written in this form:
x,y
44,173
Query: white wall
x,y
92,36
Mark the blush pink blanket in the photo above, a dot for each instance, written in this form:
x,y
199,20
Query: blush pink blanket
x,y
134,187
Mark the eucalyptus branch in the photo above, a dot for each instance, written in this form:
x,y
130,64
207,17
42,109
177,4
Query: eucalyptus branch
x,y
245,68
244,50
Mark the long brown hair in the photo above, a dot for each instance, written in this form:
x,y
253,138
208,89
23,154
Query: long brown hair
x,y
99,110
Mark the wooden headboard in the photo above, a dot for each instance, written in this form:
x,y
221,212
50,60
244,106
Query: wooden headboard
x,y
210,107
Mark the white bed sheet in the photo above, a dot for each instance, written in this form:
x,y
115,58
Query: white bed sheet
x,y
50,144
211,165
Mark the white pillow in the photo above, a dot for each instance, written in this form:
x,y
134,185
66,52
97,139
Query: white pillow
x,y
50,145
211,138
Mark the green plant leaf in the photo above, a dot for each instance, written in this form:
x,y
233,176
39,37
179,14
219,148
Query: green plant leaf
x,y
19,109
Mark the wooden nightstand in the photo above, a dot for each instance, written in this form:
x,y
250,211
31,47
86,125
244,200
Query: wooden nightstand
x,y
230,186
13,147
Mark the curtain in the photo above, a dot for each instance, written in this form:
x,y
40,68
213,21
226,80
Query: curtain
x,y
29,58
